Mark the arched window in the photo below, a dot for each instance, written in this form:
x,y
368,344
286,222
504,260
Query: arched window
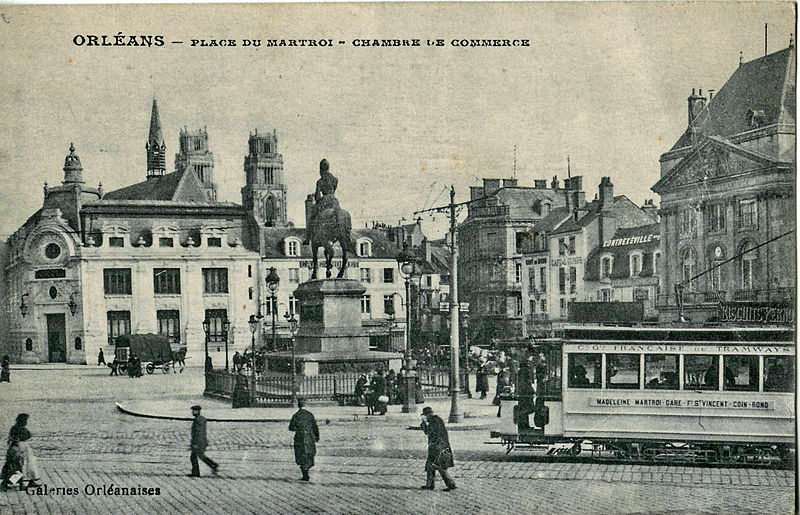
x,y
270,211
688,267
606,266
747,265
364,248
635,263
716,256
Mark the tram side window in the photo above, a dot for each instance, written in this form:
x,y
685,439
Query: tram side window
x,y
700,372
661,371
740,373
778,374
584,370
622,371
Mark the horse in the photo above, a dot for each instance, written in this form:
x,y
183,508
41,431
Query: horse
x,y
331,225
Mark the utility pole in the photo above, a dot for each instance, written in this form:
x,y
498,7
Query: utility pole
x,y
456,414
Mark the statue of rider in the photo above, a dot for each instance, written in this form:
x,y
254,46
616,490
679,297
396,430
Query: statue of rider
x,y
324,197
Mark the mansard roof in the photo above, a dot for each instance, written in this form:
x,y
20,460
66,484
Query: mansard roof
x,y
644,238
765,84
274,238
182,185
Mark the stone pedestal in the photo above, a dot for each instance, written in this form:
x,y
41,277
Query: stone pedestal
x,y
331,337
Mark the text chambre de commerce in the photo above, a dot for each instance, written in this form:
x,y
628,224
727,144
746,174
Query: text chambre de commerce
x,y
159,40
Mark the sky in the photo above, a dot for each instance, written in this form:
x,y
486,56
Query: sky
x,y
605,83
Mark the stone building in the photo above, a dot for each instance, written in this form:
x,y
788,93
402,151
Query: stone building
x,y
727,191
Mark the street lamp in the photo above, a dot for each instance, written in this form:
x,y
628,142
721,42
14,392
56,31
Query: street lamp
x,y
207,330
408,265
226,325
253,323
273,281
293,327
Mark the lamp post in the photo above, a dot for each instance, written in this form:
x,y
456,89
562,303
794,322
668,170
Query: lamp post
x,y
293,327
253,323
226,325
273,281
206,329
407,264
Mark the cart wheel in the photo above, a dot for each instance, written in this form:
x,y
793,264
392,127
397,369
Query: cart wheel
x,y
165,368
150,368
122,369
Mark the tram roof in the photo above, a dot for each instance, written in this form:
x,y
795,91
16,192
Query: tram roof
x,y
682,334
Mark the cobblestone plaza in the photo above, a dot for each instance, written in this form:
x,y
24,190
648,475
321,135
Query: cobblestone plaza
x,y
364,464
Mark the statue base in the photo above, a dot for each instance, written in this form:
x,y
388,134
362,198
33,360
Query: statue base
x,y
311,364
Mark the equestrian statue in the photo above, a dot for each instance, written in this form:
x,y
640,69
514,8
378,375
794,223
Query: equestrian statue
x,y
327,223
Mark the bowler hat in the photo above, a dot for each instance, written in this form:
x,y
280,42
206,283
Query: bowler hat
x,y
427,410
197,407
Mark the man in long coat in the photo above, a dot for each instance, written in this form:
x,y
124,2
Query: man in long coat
x,y
306,434
440,455
199,443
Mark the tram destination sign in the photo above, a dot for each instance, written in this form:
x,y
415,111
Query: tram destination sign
x,y
680,402
756,313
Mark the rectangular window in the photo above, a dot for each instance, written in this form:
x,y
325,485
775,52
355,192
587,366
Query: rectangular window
x,y
571,246
216,330
543,303
532,306
294,275
388,304
293,248
543,279
605,295
293,307
779,373
215,280
214,242
715,217
605,267
573,279
661,371
636,265
167,280
271,305
429,281
562,247
564,308
169,324
584,370
562,280
740,373
531,279
249,270
622,371
116,241
366,276
656,263
388,275
700,372
748,262
518,273
119,323
366,304
520,242
518,306
117,281
165,242
715,277
748,213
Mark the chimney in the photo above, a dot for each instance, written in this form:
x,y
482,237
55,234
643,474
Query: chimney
x,y
490,186
554,182
540,184
696,104
475,192
649,208
426,249
606,194
509,183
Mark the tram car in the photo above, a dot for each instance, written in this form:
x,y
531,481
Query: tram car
x,y
697,394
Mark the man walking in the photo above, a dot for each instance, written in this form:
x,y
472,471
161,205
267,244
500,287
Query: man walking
x,y
440,455
306,434
101,359
199,443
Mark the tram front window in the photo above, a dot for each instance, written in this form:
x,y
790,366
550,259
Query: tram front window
x,y
584,370
700,372
622,371
661,371
740,373
778,374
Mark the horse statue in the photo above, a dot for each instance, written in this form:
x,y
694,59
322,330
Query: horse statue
x,y
327,223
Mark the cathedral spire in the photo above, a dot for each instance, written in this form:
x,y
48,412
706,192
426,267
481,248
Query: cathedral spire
x,y
156,149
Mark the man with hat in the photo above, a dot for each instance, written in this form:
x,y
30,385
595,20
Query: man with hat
x,y
199,443
306,434
440,455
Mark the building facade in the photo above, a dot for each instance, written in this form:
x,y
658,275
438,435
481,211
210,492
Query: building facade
x,y
727,191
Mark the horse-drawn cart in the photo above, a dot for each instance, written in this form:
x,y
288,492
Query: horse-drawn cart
x,y
152,350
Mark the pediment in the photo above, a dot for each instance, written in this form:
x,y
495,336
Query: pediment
x,y
715,158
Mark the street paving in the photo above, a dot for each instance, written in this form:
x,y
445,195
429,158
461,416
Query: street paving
x,y
364,465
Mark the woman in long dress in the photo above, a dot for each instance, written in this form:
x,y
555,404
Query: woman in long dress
x,y
19,436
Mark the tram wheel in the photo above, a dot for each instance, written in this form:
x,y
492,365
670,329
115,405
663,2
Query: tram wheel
x,y
150,368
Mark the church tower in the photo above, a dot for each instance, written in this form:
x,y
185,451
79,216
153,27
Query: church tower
x,y
264,193
194,155
156,149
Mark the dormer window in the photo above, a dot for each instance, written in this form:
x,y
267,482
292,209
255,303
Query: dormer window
x,y
606,266
292,247
364,247
636,264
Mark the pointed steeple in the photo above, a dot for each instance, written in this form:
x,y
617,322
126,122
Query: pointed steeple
x,y
156,149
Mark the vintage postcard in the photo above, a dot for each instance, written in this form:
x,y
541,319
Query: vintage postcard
x,y
354,257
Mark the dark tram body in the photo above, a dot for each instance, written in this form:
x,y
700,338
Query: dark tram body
x,y
702,393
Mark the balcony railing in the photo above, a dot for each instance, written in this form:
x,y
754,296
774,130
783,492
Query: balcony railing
x,y
699,298
769,295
